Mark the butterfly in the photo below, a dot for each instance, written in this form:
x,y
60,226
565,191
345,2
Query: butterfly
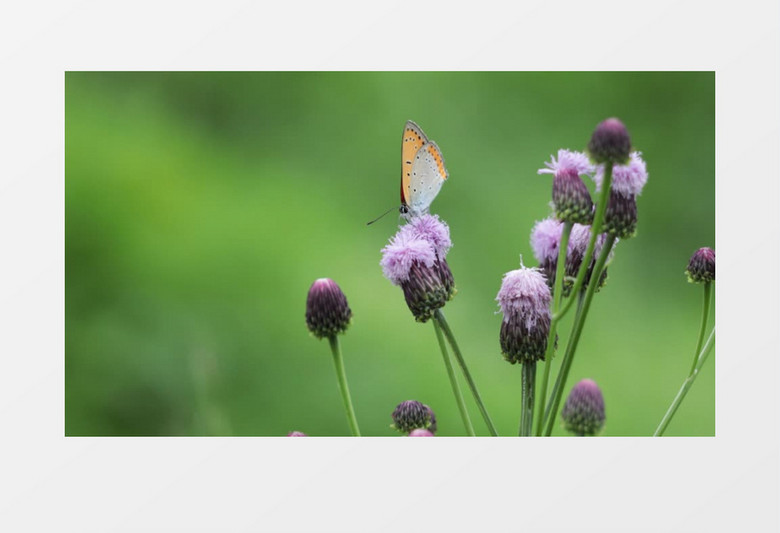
x,y
422,171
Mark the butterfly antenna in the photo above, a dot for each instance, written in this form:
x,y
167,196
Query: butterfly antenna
x,y
380,216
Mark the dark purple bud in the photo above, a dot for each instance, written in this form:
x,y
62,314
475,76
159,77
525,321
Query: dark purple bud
x,y
327,311
433,427
701,267
610,142
410,415
521,343
571,198
427,288
583,413
621,216
447,278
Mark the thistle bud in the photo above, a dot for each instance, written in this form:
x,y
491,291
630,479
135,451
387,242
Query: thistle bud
x,y
621,217
432,427
410,415
578,245
420,432
701,267
583,412
628,181
610,142
524,299
415,260
424,291
296,434
571,198
327,311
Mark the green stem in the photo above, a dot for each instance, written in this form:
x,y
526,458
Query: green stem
x,y
557,296
704,315
564,363
579,323
527,414
701,357
595,230
338,361
464,414
439,317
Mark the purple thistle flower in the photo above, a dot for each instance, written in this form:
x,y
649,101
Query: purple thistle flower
x,y
410,415
524,299
701,267
327,311
568,160
546,239
578,245
404,251
610,142
583,413
628,179
411,261
571,198
431,229
296,434
545,242
420,432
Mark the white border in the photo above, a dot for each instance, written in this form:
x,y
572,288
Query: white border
x,y
725,483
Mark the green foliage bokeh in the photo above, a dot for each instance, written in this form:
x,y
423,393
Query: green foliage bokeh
x,y
201,206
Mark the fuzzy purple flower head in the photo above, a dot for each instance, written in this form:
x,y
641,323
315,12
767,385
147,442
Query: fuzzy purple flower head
x,y
327,311
415,260
628,179
296,434
583,413
420,432
404,251
431,229
524,299
546,239
545,242
701,267
568,160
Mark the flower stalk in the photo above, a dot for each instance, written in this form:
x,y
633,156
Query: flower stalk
x,y
527,413
704,316
341,375
701,358
438,316
464,414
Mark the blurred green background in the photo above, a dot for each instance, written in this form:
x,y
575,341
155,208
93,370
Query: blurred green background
x,y
201,206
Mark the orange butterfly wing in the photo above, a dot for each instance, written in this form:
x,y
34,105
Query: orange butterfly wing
x,y
413,139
